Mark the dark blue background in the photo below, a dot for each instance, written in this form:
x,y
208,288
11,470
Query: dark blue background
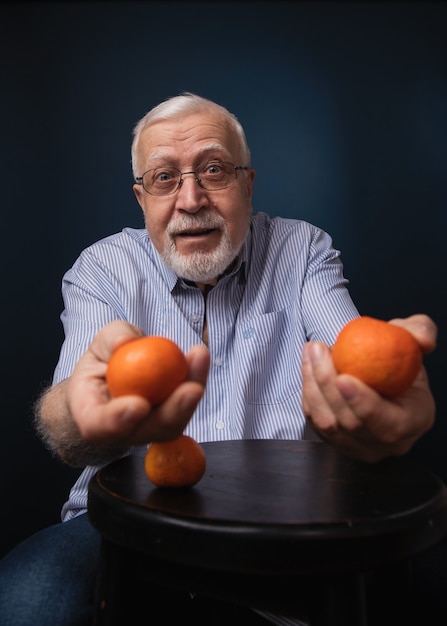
x,y
345,109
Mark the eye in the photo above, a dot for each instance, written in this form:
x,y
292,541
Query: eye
x,y
214,170
164,175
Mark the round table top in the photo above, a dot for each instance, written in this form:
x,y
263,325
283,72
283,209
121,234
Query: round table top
x,y
274,505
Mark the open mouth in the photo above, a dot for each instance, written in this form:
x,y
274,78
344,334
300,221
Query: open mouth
x,y
195,233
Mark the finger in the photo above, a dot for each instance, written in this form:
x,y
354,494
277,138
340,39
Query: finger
x,y
132,419
198,360
318,371
397,421
114,421
422,328
111,336
169,419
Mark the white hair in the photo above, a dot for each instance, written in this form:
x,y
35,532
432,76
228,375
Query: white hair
x,y
179,106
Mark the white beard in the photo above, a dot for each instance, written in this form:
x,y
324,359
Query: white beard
x,y
199,267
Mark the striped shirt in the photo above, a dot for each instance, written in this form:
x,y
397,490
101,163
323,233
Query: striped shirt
x,y
286,288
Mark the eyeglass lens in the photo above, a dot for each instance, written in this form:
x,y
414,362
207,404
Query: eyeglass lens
x,y
213,175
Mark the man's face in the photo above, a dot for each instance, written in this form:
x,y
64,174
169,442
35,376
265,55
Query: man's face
x,y
198,233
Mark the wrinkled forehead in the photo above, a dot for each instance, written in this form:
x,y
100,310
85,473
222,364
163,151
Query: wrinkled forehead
x,y
189,138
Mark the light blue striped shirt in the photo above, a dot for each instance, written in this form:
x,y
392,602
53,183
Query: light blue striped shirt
x,y
287,288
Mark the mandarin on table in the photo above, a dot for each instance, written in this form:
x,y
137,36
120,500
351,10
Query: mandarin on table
x,y
179,462
151,367
384,356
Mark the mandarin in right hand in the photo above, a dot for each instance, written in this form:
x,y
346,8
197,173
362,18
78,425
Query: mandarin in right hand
x,y
151,367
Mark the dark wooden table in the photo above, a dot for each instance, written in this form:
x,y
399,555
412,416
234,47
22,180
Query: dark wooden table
x,y
288,526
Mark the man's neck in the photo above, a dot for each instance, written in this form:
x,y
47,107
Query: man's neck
x,y
205,287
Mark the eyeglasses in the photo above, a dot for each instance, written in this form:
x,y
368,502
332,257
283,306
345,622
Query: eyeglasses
x,y
212,176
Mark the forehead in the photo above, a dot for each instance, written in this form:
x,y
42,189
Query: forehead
x,y
188,138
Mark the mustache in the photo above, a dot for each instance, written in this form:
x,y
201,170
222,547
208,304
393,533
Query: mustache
x,y
187,222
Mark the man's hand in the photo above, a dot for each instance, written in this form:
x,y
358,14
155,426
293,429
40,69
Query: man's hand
x,y
129,419
79,421
357,420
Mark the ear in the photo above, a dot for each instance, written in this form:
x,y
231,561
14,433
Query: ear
x,y
250,177
139,191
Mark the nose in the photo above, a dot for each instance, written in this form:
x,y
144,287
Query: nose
x,y
190,195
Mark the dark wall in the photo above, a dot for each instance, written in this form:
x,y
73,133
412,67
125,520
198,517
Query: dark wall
x,y
345,109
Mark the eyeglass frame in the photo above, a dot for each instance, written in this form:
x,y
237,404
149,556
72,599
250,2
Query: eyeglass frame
x,y
139,179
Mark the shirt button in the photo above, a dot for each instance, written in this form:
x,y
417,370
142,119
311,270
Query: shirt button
x,y
195,318
218,361
220,425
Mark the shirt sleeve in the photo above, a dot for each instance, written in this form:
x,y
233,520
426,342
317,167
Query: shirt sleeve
x,y
326,302
90,296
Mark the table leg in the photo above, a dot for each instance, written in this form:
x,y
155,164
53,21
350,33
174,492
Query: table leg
x,y
111,606
337,600
341,601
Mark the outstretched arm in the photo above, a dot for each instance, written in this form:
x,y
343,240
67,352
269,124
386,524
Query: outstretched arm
x,y
80,422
